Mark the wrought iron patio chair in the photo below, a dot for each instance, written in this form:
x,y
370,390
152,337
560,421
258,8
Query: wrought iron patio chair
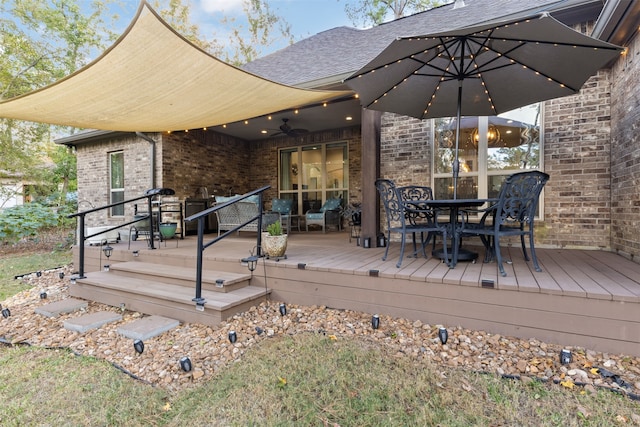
x,y
405,216
512,215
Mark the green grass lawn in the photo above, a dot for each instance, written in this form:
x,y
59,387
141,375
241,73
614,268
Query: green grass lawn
x,y
15,265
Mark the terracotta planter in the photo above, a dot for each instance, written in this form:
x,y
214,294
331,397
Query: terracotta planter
x,y
274,246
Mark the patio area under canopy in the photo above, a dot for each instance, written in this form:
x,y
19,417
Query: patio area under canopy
x,y
152,80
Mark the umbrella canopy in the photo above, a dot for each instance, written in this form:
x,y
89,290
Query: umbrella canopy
x,y
480,71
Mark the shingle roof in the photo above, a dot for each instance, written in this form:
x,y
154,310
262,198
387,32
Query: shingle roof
x,y
334,54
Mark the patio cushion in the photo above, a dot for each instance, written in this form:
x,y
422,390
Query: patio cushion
x,y
331,205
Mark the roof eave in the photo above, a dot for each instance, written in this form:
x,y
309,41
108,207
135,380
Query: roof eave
x,y
89,136
618,22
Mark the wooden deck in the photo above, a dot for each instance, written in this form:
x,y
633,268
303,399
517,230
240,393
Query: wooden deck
x,y
589,299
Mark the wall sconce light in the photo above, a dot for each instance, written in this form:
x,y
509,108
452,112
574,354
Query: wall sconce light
x,y
6,312
185,364
251,262
136,253
283,309
375,321
73,280
443,335
233,337
565,356
43,295
138,345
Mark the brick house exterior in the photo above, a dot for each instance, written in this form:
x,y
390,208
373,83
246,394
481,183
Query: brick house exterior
x,y
590,150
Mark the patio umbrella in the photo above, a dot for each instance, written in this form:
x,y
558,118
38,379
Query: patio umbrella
x,y
483,70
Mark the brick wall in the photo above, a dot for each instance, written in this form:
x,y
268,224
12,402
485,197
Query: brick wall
x,y
577,147
405,149
200,158
625,153
93,172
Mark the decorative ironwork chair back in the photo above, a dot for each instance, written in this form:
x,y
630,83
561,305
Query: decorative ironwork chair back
x,y
518,198
417,193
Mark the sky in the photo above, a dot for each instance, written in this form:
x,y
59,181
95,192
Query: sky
x,y
306,17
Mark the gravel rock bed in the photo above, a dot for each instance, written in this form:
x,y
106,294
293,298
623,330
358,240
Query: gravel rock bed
x,y
210,350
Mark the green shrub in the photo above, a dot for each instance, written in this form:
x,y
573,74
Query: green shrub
x,y
27,220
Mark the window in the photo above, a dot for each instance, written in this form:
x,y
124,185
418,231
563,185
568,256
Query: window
x,y
116,182
490,149
312,174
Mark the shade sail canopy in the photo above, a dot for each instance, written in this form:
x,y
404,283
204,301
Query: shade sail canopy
x,y
152,80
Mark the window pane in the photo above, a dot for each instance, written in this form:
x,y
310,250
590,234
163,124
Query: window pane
x,y
288,169
117,196
117,170
467,188
515,144
116,181
337,166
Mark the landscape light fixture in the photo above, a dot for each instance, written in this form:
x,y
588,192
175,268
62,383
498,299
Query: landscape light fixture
x,y
108,250
443,334
43,295
233,337
38,273
251,262
61,275
138,345
6,313
73,280
136,253
565,356
259,330
185,364
283,309
375,321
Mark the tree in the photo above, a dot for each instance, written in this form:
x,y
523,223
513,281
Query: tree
x,y
41,42
375,12
245,43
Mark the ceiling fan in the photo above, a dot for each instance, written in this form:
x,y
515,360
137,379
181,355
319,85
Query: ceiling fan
x,y
287,130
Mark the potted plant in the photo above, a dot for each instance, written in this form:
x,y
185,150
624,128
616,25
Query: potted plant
x,y
168,229
274,241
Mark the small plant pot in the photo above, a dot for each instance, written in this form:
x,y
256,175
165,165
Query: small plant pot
x,y
168,229
274,246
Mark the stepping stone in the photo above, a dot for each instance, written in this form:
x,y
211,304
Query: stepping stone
x,y
91,321
68,305
147,327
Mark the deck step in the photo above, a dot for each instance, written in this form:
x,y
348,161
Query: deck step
x,y
91,321
218,281
147,327
150,296
68,305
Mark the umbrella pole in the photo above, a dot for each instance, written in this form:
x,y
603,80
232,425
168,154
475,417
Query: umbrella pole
x,y
456,163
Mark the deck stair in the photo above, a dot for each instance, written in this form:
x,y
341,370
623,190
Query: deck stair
x,y
166,290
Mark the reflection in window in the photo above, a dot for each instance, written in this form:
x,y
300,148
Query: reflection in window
x,y
116,182
490,149
312,174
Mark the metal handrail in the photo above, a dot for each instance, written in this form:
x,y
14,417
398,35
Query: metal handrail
x,y
149,195
201,217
